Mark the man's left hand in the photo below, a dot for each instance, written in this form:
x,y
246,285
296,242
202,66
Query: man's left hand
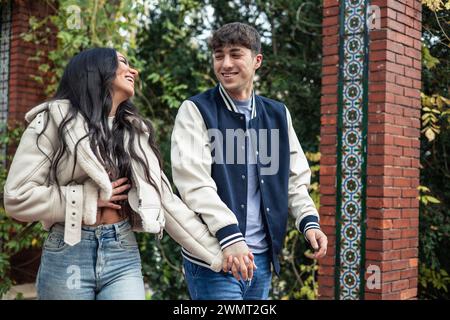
x,y
318,241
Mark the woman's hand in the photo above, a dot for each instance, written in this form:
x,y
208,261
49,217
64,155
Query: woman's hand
x,y
240,260
118,187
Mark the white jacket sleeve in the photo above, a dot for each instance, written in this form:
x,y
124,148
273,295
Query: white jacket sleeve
x,y
186,228
300,204
26,194
191,171
181,223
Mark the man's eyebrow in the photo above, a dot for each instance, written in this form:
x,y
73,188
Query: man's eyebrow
x,y
232,50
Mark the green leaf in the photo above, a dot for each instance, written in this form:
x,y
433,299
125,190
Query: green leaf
x,y
433,199
429,61
429,133
44,67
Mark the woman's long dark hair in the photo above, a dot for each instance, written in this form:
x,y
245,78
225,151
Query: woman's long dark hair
x,y
87,83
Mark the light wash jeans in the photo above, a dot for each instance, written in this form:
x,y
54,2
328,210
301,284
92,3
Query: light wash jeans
x,y
205,284
104,265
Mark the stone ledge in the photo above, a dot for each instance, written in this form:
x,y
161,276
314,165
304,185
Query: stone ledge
x,y
27,290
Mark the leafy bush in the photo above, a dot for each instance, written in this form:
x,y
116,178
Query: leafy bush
x,y
434,220
14,236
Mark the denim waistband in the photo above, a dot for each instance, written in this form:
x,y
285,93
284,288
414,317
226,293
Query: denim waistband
x,y
104,231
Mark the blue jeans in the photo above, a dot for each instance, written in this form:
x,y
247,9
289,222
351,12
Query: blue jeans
x,y
205,284
104,265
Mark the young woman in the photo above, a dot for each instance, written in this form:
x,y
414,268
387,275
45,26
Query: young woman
x,y
88,168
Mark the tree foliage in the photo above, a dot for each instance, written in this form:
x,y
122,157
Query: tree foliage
x,y
434,217
14,236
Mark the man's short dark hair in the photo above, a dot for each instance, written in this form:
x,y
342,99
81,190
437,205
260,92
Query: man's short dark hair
x,y
236,33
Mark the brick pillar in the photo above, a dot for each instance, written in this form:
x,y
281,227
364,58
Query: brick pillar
x,y
328,143
386,95
25,92
19,93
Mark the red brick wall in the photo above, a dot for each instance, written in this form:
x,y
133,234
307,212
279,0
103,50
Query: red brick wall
x,y
24,92
328,143
393,147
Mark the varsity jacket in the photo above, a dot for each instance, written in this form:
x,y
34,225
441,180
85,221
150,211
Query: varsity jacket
x,y
209,167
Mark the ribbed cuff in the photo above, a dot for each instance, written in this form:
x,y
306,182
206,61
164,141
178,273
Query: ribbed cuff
x,y
309,222
229,235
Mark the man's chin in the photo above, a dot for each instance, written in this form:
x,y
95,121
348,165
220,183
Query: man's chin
x,y
229,86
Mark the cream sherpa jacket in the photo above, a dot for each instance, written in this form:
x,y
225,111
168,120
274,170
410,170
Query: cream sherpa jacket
x,y
27,197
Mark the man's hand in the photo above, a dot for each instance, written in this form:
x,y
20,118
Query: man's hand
x,y
239,258
318,241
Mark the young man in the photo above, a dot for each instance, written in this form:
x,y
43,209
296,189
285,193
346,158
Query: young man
x,y
237,162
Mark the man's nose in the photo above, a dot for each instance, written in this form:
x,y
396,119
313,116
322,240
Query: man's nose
x,y
227,63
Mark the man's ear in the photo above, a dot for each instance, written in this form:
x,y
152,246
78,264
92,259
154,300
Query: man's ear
x,y
258,59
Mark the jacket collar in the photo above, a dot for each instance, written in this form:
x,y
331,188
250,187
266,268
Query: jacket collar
x,y
76,130
230,104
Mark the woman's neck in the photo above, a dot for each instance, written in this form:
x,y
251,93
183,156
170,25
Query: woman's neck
x,y
116,101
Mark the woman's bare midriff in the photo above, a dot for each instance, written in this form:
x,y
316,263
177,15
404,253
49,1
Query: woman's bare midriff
x,y
107,216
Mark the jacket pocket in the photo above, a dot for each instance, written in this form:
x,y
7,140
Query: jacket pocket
x,y
151,219
161,218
